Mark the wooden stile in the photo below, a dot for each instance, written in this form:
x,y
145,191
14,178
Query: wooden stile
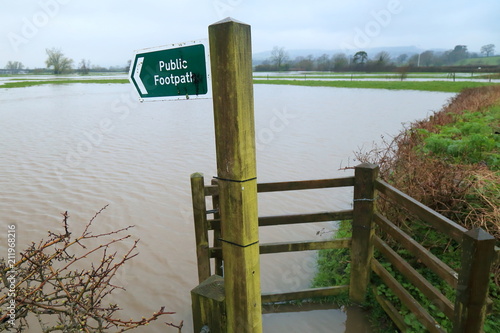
x,y
479,251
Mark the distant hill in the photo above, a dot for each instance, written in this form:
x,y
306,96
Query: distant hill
x,y
394,51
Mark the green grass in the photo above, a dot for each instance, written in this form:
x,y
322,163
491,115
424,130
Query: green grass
x,y
443,86
470,139
22,84
356,76
485,61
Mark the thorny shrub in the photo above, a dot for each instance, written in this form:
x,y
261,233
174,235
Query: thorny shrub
x,y
64,281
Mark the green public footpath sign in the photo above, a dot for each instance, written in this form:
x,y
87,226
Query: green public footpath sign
x,y
178,71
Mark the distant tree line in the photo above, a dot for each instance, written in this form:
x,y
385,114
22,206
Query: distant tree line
x,y
58,63
361,61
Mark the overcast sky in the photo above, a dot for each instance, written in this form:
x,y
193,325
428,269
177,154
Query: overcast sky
x,y
106,32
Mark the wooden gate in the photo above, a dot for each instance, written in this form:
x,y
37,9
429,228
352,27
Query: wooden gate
x,y
369,228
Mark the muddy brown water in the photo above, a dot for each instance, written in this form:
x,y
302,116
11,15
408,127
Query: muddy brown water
x,y
80,147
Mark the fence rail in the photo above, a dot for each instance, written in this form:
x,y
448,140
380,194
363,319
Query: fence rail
x,y
203,225
470,308
370,229
441,223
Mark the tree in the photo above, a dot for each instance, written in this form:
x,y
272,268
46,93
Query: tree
x,y
58,61
413,60
383,58
488,50
279,56
304,63
324,63
426,58
84,67
14,66
402,58
458,53
340,61
360,57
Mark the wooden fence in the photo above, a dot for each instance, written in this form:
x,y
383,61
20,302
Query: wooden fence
x,y
369,228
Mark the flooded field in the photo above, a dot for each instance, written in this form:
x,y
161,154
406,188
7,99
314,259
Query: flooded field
x,y
80,147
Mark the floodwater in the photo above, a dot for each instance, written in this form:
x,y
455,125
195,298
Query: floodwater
x,y
80,147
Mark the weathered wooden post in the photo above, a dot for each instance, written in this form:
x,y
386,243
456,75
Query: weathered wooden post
x,y
232,86
209,306
200,226
362,230
478,251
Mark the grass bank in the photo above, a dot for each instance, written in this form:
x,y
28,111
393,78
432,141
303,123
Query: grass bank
x,y
23,83
442,86
451,163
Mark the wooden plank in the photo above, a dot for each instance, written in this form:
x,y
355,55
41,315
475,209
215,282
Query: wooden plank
x,y
269,248
200,226
438,221
431,292
429,260
233,104
266,221
391,311
305,218
305,184
422,315
291,307
304,294
213,224
478,251
362,230
211,190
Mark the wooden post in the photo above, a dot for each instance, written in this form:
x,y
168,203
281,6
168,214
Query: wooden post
x,y
478,249
209,307
200,225
217,234
231,62
362,230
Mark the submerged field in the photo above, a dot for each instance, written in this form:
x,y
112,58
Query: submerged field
x,y
414,81
444,86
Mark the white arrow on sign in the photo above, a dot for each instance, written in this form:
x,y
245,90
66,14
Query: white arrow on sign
x,y
137,78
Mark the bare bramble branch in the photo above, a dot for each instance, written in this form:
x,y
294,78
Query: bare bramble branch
x,y
60,278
